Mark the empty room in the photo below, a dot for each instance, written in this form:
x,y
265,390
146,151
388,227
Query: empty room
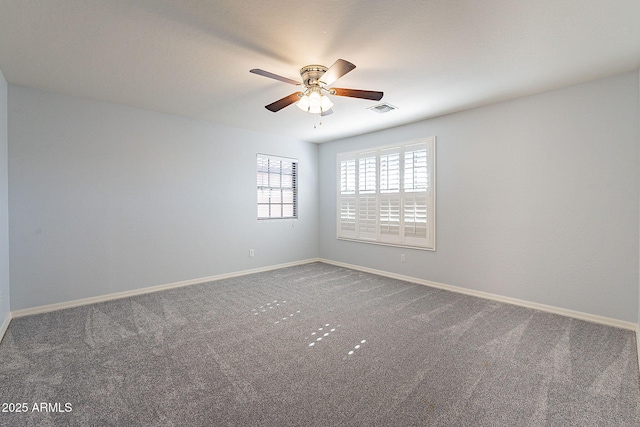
x,y
345,213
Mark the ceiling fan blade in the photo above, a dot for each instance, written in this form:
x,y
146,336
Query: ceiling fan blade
x,y
326,113
337,70
284,102
274,76
357,93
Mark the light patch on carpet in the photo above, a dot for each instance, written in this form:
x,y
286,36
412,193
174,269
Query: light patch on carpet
x,y
101,329
505,346
609,383
245,392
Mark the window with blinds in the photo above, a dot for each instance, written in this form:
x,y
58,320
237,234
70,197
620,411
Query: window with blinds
x,y
387,195
277,187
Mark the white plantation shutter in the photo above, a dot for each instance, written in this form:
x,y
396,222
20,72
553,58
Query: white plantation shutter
x,y
367,173
388,195
390,218
348,176
348,216
347,198
415,217
367,201
416,176
416,197
277,187
390,171
367,216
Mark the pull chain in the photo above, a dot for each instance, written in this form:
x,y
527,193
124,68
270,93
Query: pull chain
x,y
319,117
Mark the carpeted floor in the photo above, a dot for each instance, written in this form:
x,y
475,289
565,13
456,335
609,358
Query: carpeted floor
x,y
315,345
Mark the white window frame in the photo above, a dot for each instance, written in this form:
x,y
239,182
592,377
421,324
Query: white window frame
x,y
277,192
399,209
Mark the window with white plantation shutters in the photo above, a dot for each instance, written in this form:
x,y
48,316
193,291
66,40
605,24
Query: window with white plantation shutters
x,y
387,195
277,187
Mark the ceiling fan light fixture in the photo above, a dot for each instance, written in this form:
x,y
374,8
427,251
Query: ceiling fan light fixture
x,y
325,103
315,98
303,104
315,102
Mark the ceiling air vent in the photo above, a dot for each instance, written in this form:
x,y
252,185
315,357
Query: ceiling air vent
x,y
382,108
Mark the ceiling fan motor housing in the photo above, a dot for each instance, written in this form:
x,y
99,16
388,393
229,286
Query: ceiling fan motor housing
x,y
311,74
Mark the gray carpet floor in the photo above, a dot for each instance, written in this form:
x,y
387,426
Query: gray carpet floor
x,y
315,345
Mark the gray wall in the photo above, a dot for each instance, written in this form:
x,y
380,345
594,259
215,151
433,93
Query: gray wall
x,y
537,199
4,208
106,198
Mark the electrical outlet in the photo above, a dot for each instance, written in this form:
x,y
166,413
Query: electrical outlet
x,y
251,253
402,258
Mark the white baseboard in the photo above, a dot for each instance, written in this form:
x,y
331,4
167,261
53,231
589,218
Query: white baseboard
x,y
147,290
5,325
486,295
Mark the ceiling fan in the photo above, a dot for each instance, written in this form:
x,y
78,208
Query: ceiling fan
x,y
316,82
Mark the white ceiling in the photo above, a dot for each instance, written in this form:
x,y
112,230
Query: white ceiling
x,y
430,57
